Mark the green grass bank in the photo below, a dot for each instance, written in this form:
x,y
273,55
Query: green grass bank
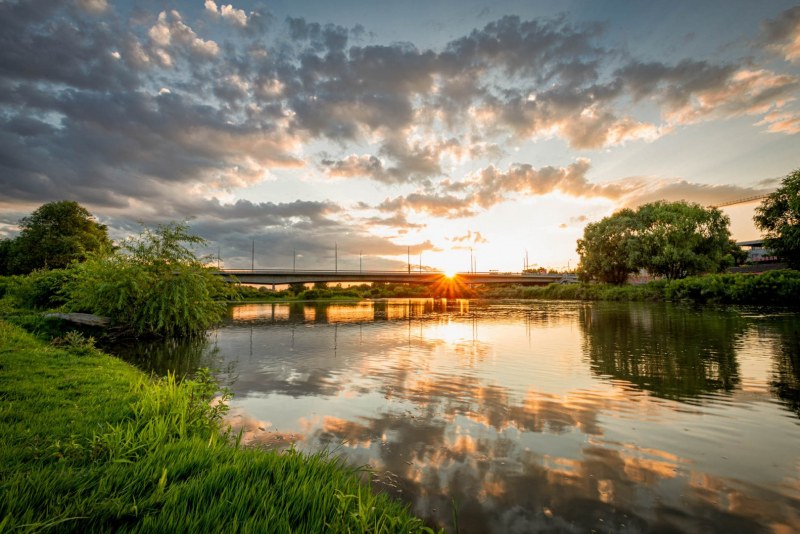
x,y
90,444
780,288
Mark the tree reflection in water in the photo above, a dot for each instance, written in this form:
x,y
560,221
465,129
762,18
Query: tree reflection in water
x,y
672,352
786,376
180,356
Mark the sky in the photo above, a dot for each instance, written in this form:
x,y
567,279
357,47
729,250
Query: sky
x,y
373,131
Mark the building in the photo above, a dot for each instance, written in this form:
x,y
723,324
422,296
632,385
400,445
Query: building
x,y
756,253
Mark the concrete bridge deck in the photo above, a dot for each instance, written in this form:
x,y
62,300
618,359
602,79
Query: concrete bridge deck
x,y
288,276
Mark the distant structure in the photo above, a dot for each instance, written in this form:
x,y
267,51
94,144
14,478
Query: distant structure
x,y
739,201
756,253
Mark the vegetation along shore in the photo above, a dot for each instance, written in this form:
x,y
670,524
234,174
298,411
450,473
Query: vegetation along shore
x,y
109,449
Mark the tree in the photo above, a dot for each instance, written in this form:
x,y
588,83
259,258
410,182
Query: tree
x,y
672,239
155,285
678,239
606,249
778,217
297,287
54,236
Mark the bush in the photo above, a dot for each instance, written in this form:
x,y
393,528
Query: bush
x,y
157,286
772,287
39,289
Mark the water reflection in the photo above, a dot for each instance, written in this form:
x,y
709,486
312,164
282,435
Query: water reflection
x,y
674,353
325,312
181,356
536,416
786,378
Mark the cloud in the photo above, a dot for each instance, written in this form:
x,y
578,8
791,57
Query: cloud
x,y
469,237
149,114
170,33
227,11
641,190
93,6
491,186
50,43
414,162
777,122
782,34
693,90
575,221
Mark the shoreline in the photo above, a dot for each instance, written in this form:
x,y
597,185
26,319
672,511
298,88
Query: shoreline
x,y
91,443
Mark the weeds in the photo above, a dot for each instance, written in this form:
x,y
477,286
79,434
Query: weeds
x,y
75,342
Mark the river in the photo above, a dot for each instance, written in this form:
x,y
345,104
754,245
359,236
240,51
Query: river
x,y
526,416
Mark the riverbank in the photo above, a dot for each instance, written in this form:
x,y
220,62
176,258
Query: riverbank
x,y
89,443
780,288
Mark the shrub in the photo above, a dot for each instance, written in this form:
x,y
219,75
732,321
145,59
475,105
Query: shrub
x,y
156,286
39,289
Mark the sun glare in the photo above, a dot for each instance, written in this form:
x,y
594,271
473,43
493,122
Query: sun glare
x,y
450,273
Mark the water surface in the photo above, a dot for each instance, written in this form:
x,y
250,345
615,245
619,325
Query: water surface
x,y
531,416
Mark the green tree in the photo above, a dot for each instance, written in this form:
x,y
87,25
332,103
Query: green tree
x,y
297,287
54,236
678,239
672,239
779,218
606,249
155,285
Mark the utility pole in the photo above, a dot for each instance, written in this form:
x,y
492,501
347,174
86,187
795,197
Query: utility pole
x,y
408,252
253,257
218,254
420,262
470,259
336,257
360,256
294,259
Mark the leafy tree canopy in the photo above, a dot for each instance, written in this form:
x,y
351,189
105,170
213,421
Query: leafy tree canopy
x,y
606,248
672,239
678,239
52,237
779,218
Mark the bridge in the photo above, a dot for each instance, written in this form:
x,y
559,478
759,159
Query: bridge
x,y
290,276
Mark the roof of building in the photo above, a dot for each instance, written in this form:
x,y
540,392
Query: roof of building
x,y
754,243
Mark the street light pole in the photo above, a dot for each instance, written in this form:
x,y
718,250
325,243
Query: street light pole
x,y
294,259
253,257
336,257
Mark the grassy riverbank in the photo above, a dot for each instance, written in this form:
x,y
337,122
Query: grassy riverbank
x,y
771,288
88,443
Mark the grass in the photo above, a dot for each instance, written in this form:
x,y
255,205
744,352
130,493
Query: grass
x,y
89,444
